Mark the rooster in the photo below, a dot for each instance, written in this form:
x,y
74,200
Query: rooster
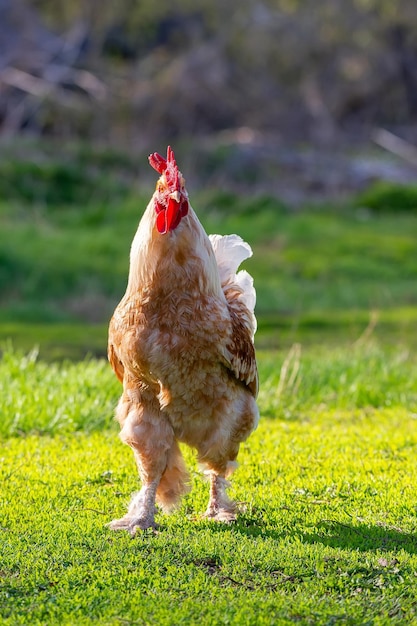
x,y
181,342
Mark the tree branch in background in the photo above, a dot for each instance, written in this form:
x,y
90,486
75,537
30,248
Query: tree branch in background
x,y
396,145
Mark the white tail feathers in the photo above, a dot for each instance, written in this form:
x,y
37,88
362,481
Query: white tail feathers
x,y
245,282
230,251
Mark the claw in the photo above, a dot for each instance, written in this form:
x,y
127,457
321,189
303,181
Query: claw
x,y
132,524
227,517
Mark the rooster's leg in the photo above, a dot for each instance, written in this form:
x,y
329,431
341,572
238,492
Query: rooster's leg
x,y
220,507
151,438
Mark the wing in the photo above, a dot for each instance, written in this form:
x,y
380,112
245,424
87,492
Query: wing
x,y
240,349
230,251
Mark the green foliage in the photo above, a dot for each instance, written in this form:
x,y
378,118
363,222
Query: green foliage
x,y
222,203
389,197
327,527
54,184
69,262
320,261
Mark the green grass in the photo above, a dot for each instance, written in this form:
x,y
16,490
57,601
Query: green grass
x,y
325,485
56,341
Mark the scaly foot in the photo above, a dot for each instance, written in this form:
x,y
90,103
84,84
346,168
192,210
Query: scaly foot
x,y
220,507
141,512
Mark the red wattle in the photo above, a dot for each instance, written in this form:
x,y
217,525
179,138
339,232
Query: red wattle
x,y
161,222
167,219
171,214
184,208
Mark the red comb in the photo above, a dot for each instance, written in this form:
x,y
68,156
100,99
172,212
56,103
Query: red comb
x,y
160,164
169,210
171,156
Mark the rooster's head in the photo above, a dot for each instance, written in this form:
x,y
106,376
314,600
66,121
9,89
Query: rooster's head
x,y
170,197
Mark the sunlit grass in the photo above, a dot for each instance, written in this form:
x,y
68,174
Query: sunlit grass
x,y
51,398
54,398
325,485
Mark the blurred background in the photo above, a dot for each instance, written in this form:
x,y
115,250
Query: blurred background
x,y
294,122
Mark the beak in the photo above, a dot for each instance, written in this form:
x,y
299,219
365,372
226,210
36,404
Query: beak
x,y
176,196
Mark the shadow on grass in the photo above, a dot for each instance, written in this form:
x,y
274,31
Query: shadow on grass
x,y
362,537
335,534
